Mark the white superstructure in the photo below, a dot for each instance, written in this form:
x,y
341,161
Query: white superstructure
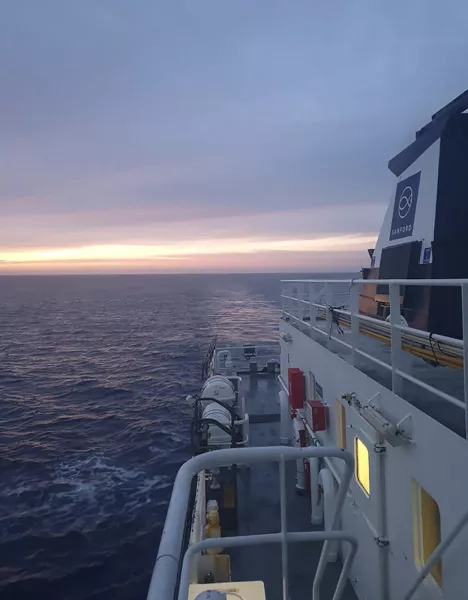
x,y
409,493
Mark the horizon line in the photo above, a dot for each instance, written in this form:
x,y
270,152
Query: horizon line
x,y
178,273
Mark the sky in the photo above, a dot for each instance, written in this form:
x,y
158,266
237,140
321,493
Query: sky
x,y
211,135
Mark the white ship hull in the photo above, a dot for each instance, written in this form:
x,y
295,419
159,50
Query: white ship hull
x,y
436,460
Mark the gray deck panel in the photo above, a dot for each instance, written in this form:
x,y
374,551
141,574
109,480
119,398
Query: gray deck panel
x,y
259,511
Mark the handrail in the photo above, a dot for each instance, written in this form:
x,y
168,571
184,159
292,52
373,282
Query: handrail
x,y
243,346
164,577
423,282
436,555
384,324
263,354
271,538
400,336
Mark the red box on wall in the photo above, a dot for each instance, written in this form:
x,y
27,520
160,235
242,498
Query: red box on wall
x,y
296,384
315,415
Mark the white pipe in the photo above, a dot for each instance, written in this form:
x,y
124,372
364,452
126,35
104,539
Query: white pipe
x,y
381,521
317,441
246,429
226,354
328,462
316,512
300,471
284,529
328,484
300,477
242,407
285,419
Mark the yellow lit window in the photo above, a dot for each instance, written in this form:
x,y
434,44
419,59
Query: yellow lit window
x,y
426,529
362,469
340,425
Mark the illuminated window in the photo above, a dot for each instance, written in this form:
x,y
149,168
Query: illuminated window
x,y
340,425
426,529
362,470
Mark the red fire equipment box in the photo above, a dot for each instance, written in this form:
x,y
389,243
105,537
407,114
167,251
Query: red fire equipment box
x,y
315,415
296,383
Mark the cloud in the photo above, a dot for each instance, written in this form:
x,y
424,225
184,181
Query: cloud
x,y
120,121
144,225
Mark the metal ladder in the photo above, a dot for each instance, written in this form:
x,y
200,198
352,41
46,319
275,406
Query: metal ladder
x,y
164,578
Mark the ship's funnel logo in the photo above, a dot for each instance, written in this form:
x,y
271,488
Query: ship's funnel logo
x,y
405,202
404,207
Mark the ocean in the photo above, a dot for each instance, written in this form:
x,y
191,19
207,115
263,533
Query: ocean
x,y
93,422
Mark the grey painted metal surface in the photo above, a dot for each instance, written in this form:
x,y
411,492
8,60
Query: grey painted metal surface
x,y
259,512
164,578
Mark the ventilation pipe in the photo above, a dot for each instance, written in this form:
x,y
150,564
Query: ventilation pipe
x,y
285,419
327,482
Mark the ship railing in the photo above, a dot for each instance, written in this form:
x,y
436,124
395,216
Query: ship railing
x,y
232,358
208,358
165,574
299,305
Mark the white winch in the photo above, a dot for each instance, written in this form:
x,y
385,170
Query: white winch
x,y
218,437
219,387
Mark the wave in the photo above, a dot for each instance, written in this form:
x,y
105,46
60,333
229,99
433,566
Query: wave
x,y
78,495
94,426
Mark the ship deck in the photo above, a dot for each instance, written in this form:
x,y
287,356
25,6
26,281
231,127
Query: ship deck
x,y
259,508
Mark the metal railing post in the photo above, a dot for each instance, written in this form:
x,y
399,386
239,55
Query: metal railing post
x,y
395,336
287,301
284,292
329,303
354,307
282,300
319,573
464,292
312,308
292,301
300,306
297,296
284,529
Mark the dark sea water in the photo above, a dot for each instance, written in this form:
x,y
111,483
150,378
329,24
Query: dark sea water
x,y
93,422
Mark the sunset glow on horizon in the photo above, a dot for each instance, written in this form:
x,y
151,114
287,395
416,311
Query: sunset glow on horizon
x,y
111,256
